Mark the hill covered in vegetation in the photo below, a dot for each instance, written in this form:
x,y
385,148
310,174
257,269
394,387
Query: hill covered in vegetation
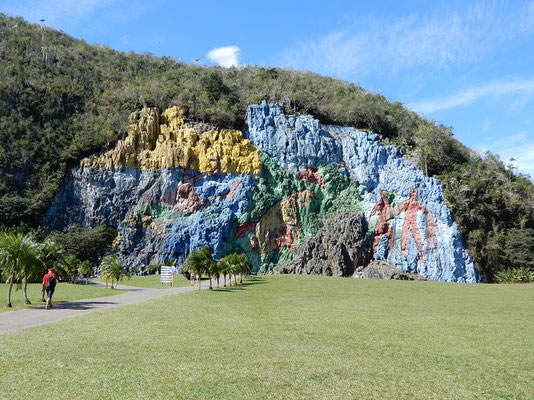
x,y
62,100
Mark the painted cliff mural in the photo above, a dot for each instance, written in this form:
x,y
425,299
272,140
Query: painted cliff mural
x,y
410,228
170,188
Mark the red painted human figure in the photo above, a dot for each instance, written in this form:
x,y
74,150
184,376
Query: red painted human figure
x,y
412,207
384,210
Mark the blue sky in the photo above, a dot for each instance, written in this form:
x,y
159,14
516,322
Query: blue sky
x,y
466,64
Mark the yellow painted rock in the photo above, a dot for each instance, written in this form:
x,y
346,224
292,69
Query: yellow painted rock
x,y
157,142
272,224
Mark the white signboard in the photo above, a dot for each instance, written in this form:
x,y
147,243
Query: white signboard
x,y
166,275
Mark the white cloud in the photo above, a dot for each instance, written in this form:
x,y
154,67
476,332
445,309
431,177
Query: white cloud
x,y
437,40
468,96
225,56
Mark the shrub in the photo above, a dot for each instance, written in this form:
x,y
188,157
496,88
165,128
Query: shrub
x,y
515,275
153,268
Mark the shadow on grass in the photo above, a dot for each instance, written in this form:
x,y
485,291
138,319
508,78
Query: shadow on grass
x,y
81,305
254,280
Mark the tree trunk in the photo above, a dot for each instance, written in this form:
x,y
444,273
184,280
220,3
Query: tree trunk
x,y
224,280
26,300
11,279
209,277
218,276
240,278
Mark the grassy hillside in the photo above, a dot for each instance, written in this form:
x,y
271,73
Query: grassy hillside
x,y
62,99
288,337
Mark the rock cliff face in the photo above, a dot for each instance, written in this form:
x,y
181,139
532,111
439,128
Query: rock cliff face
x,y
271,192
336,250
409,224
163,142
379,269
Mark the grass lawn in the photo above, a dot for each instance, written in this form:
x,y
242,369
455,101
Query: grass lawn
x,y
64,292
291,337
151,281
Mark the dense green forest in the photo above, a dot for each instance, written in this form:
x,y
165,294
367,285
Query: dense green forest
x,y
62,99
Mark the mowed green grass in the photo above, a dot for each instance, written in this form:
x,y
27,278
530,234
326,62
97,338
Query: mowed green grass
x,y
150,281
64,292
290,337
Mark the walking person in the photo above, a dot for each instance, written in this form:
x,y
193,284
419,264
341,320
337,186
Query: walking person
x,y
49,284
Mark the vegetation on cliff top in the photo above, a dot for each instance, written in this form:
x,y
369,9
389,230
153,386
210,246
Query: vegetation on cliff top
x,y
62,99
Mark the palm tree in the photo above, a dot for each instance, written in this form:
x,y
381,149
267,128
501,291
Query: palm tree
x,y
111,268
244,265
215,270
226,267
31,267
10,245
18,256
199,262
222,266
236,264
51,255
235,261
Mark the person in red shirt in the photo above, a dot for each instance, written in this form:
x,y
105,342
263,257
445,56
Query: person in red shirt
x,y
49,284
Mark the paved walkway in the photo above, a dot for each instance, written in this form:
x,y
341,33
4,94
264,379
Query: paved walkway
x,y
35,316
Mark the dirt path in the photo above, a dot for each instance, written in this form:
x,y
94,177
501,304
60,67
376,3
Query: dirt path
x,y
35,316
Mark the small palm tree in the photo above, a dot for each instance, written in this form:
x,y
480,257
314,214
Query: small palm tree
x,y
222,266
111,268
199,262
226,267
236,264
52,255
243,265
215,270
31,267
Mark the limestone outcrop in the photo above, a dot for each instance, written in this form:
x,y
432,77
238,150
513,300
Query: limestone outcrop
x,y
414,231
159,142
293,194
336,250
378,269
